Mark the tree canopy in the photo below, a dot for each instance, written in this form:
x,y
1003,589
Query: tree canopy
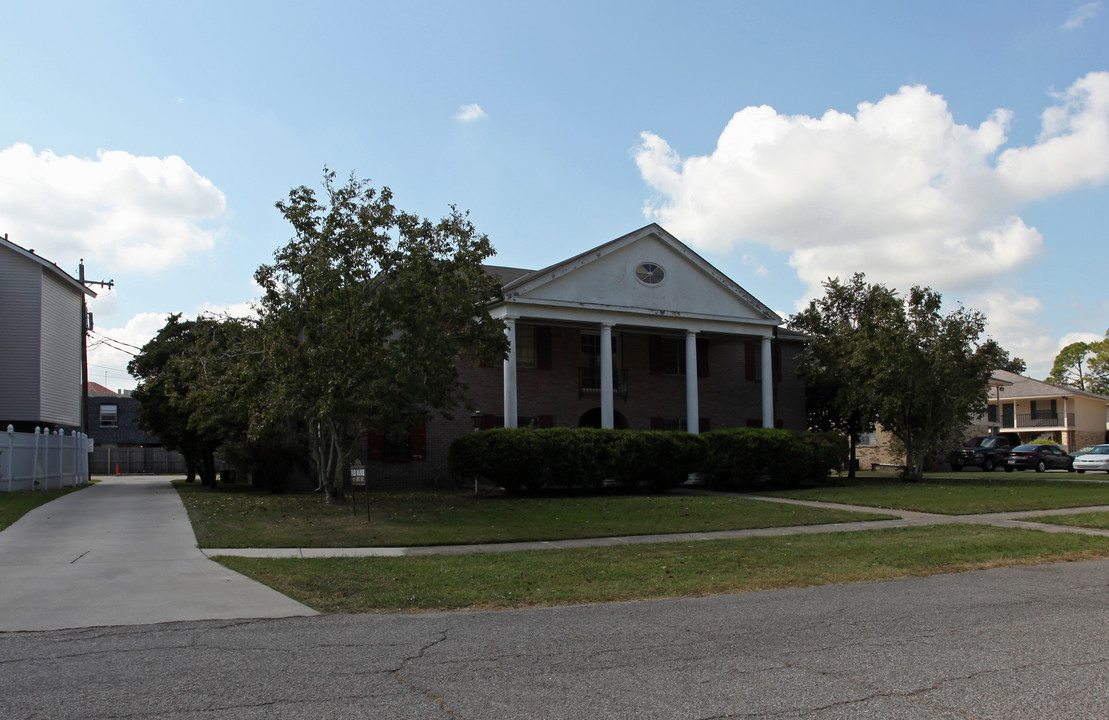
x,y
1083,365
1099,366
163,393
878,358
834,365
1012,364
365,313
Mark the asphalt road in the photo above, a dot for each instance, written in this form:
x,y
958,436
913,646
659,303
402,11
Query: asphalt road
x,y
1006,644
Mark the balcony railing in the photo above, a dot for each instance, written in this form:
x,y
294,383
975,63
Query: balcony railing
x,y
590,381
1038,420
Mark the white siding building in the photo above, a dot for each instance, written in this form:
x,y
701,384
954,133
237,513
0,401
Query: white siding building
x,y
41,346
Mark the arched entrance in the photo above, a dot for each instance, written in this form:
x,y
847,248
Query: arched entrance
x,y
592,419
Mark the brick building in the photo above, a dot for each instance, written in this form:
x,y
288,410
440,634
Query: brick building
x,y
639,333
123,443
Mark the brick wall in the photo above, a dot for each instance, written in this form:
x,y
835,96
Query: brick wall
x,y
1082,438
726,398
128,429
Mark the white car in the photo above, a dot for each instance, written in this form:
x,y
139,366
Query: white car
x,y
1096,459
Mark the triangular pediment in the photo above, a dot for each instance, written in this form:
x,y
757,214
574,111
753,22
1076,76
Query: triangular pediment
x,y
647,272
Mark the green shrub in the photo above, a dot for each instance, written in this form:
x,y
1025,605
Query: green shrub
x,y
743,458
576,458
751,458
658,460
829,453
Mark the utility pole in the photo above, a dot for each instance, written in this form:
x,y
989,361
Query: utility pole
x,y
86,326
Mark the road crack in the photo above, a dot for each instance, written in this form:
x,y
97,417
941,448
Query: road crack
x,y
398,673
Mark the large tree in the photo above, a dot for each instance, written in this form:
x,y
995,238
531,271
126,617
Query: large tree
x,y
835,366
876,357
163,395
932,371
1005,361
1083,365
366,312
1099,366
1070,365
230,384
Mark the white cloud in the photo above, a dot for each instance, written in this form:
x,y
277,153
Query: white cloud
x,y
248,309
898,190
114,347
110,349
470,113
1072,150
1080,15
1015,321
752,262
244,309
123,211
1087,337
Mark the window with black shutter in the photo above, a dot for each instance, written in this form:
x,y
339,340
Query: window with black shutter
x,y
667,355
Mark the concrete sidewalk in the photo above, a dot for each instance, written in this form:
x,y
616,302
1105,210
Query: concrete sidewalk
x,y
120,552
904,518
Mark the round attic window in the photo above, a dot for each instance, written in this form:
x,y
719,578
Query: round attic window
x,y
650,273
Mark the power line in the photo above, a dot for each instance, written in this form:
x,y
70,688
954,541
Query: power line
x,y
105,338
115,344
122,372
108,343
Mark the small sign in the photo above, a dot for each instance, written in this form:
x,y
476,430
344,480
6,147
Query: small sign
x,y
357,476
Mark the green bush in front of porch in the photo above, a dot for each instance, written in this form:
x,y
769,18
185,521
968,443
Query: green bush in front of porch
x,y
762,458
591,459
533,458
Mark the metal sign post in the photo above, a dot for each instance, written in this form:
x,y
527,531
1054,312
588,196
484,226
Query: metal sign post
x,y
358,479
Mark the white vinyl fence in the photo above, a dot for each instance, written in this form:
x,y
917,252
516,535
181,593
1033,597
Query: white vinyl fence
x,y
43,460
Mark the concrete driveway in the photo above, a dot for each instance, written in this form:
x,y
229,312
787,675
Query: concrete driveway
x,y
121,552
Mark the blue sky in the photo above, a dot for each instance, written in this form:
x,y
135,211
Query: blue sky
x,y
964,146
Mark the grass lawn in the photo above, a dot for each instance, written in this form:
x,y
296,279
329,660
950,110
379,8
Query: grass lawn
x,y
236,517
1099,520
642,572
15,505
954,495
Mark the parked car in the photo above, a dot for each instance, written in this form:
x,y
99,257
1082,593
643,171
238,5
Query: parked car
x,y
1095,458
986,452
1039,458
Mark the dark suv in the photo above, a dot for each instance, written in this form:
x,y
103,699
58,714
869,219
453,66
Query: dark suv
x,y
986,452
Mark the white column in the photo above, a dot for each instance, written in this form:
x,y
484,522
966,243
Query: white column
x,y
1066,426
607,420
767,384
510,374
692,410
1000,415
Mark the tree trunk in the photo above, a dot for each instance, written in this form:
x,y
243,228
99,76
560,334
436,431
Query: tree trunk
x,y
208,469
328,455
913,465
852,461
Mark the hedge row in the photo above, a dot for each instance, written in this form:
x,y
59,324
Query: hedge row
x,y
748,458
744,458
